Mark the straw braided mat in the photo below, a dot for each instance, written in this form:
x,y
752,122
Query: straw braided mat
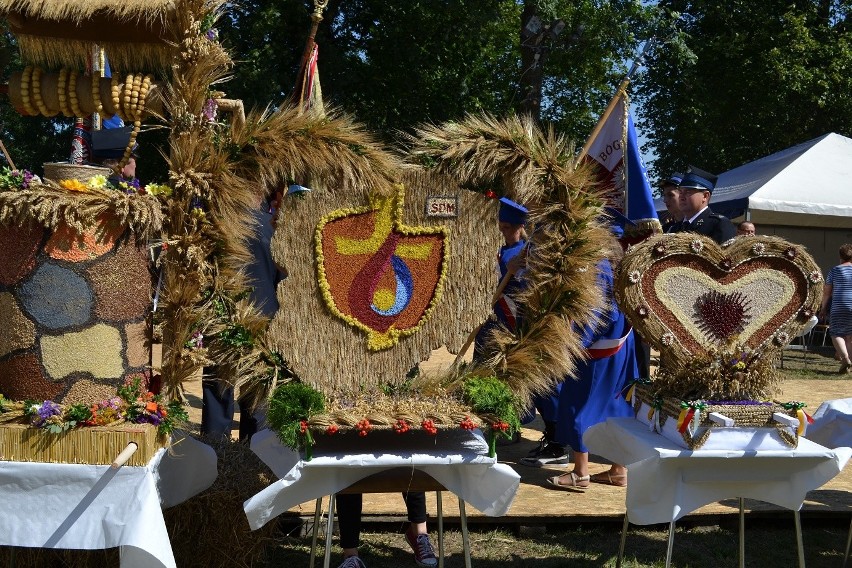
x,y
686,295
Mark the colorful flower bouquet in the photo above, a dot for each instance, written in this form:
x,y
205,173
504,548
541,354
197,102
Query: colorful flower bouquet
x,y
15,180
128,186
132,405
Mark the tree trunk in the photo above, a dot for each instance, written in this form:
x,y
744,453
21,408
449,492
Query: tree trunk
x,y
530,82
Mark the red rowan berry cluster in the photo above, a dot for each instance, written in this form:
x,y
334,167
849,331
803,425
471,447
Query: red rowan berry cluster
x,y
429,426
363,427
401,426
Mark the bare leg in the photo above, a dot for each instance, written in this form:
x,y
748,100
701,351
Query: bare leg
x,y
840,346
418,528
581,463
617,470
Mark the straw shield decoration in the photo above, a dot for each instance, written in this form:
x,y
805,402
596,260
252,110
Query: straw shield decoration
x,y
687,296
377,274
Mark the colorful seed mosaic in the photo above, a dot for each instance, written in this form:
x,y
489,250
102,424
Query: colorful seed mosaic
x,y
377,274
74,309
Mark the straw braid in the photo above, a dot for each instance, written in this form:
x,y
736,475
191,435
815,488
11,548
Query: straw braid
x,y
72,94
39,102
62,92
96,94
26,79
115,92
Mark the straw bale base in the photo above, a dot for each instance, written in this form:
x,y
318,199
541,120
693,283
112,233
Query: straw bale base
x,y
95,446
754,428
210,530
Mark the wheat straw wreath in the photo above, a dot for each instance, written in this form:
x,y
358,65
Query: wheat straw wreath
x,y
689,297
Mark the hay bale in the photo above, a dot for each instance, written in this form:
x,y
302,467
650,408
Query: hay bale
x,y
211,529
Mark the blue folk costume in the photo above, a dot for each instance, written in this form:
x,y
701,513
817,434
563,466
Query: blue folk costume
x,y
506,311
594,394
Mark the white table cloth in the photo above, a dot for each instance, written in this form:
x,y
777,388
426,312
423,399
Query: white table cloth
x,y
457,459
666,482
89,507
832,425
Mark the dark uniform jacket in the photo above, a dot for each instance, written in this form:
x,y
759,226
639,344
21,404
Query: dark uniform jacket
x,y
717,227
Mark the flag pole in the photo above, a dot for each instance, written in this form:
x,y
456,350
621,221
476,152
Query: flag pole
x,y
622,88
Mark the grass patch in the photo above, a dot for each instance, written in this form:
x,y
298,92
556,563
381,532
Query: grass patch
x,y
813,363
769,543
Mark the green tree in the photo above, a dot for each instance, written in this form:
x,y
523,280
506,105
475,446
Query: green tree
x,y
396,64
756,77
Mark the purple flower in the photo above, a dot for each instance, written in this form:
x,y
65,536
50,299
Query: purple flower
x,y
45,412
210,110
22,178
212,34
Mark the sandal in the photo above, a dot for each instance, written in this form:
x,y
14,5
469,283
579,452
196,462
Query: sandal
x,y
576,481
606,478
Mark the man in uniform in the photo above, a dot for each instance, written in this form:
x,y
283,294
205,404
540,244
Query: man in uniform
x,y
670,191
696,187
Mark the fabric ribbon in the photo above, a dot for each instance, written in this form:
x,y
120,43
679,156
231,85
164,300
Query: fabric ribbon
x,y
654,417
603,348
629,390
690,415
804,417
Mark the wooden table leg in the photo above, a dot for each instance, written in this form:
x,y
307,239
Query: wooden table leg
x,y
742,532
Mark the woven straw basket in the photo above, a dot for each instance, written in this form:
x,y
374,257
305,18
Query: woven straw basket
x,y
58,171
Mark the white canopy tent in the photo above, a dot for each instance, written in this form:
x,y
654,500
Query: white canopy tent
x,y
803,194
807,185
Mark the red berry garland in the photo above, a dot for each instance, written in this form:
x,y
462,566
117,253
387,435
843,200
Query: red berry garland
x,y
401,426
467,423
332,429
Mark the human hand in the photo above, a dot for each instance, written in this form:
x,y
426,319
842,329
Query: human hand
x,y
518,262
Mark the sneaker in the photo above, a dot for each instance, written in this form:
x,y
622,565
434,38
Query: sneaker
x,y
352,562
423,553
547,453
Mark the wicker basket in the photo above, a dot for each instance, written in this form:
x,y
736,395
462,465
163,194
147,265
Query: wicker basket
x,y
95,446
757,419
58,171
